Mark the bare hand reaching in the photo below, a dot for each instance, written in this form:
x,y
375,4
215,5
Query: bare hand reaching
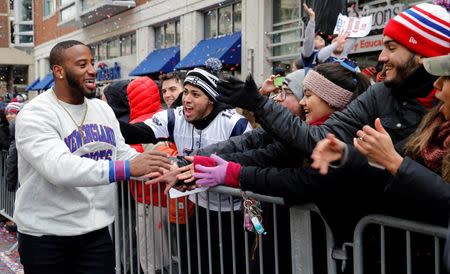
x,y
327,151
341,39
377,146
149,162
171,179
309,11
268,86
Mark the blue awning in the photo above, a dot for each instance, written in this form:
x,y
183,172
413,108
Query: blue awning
x,y
30,87
46,83
227,49
159,60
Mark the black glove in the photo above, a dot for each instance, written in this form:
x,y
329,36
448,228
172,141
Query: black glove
x,y
239,94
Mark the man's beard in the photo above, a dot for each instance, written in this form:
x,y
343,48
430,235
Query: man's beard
x,y
403,72
76,87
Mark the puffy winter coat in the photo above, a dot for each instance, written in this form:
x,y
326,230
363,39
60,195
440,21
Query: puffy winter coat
x,y
144,100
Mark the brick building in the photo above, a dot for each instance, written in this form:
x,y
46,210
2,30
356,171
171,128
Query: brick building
x,y
16,64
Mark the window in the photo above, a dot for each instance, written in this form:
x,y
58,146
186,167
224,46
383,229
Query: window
x,y
22,29
133,43
102,51
177,32
126,45
285,10
287,31
167,35
93,49
68,13
211,24
170,35
24,39
25,28
113,49
26,10
223,20
237,17
49,7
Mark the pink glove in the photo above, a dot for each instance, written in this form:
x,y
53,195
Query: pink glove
x,y
224,172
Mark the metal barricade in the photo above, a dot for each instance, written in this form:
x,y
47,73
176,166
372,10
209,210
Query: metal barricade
x,y
213,239
410,229
7,197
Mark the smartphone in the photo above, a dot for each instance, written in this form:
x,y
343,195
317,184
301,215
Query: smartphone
x,y
278,81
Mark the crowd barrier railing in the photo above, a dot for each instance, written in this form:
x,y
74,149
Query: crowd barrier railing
x,y
213,241
228,248
7,197
410,229
299,245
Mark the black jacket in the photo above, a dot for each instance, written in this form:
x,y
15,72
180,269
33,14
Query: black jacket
x,y
399,111
424,194
253,139
347,194
447,251
11,162
116,96
4,137
255,148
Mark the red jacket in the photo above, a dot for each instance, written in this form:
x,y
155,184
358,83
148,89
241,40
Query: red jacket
x,y
144,100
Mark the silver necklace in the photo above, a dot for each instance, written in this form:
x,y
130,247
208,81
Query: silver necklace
x,y
79,127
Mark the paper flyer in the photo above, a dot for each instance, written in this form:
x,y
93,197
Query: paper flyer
x,y
173,193
356,27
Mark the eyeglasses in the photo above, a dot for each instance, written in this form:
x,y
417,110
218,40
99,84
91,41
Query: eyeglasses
x,y
282,94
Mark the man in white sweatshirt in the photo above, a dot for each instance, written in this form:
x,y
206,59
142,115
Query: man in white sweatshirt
x,y
70,152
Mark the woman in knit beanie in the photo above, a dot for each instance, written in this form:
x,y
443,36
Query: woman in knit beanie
x,y
330,87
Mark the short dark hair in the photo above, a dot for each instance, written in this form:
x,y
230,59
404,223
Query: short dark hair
x,y
171,75
56,54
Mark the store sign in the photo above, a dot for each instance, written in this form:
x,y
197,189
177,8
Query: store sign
x,y
369,43
105,73
381,15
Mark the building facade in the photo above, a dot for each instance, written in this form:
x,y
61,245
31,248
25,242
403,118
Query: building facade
x,y
16,65
123,33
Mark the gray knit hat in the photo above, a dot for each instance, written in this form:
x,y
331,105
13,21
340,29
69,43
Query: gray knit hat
x,y
294,81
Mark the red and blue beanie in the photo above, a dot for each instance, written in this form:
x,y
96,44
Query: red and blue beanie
x,y
13,107
423,29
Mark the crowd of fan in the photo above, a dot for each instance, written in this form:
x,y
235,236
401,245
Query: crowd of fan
x,y
351,141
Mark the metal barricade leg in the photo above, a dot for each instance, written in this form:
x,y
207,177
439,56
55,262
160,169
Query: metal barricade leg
x,y
301,241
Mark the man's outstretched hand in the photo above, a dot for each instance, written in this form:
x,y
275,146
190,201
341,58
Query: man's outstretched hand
x,y
240,94
149,162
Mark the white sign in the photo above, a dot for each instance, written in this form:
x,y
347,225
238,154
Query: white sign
x,y
354,26
369,43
